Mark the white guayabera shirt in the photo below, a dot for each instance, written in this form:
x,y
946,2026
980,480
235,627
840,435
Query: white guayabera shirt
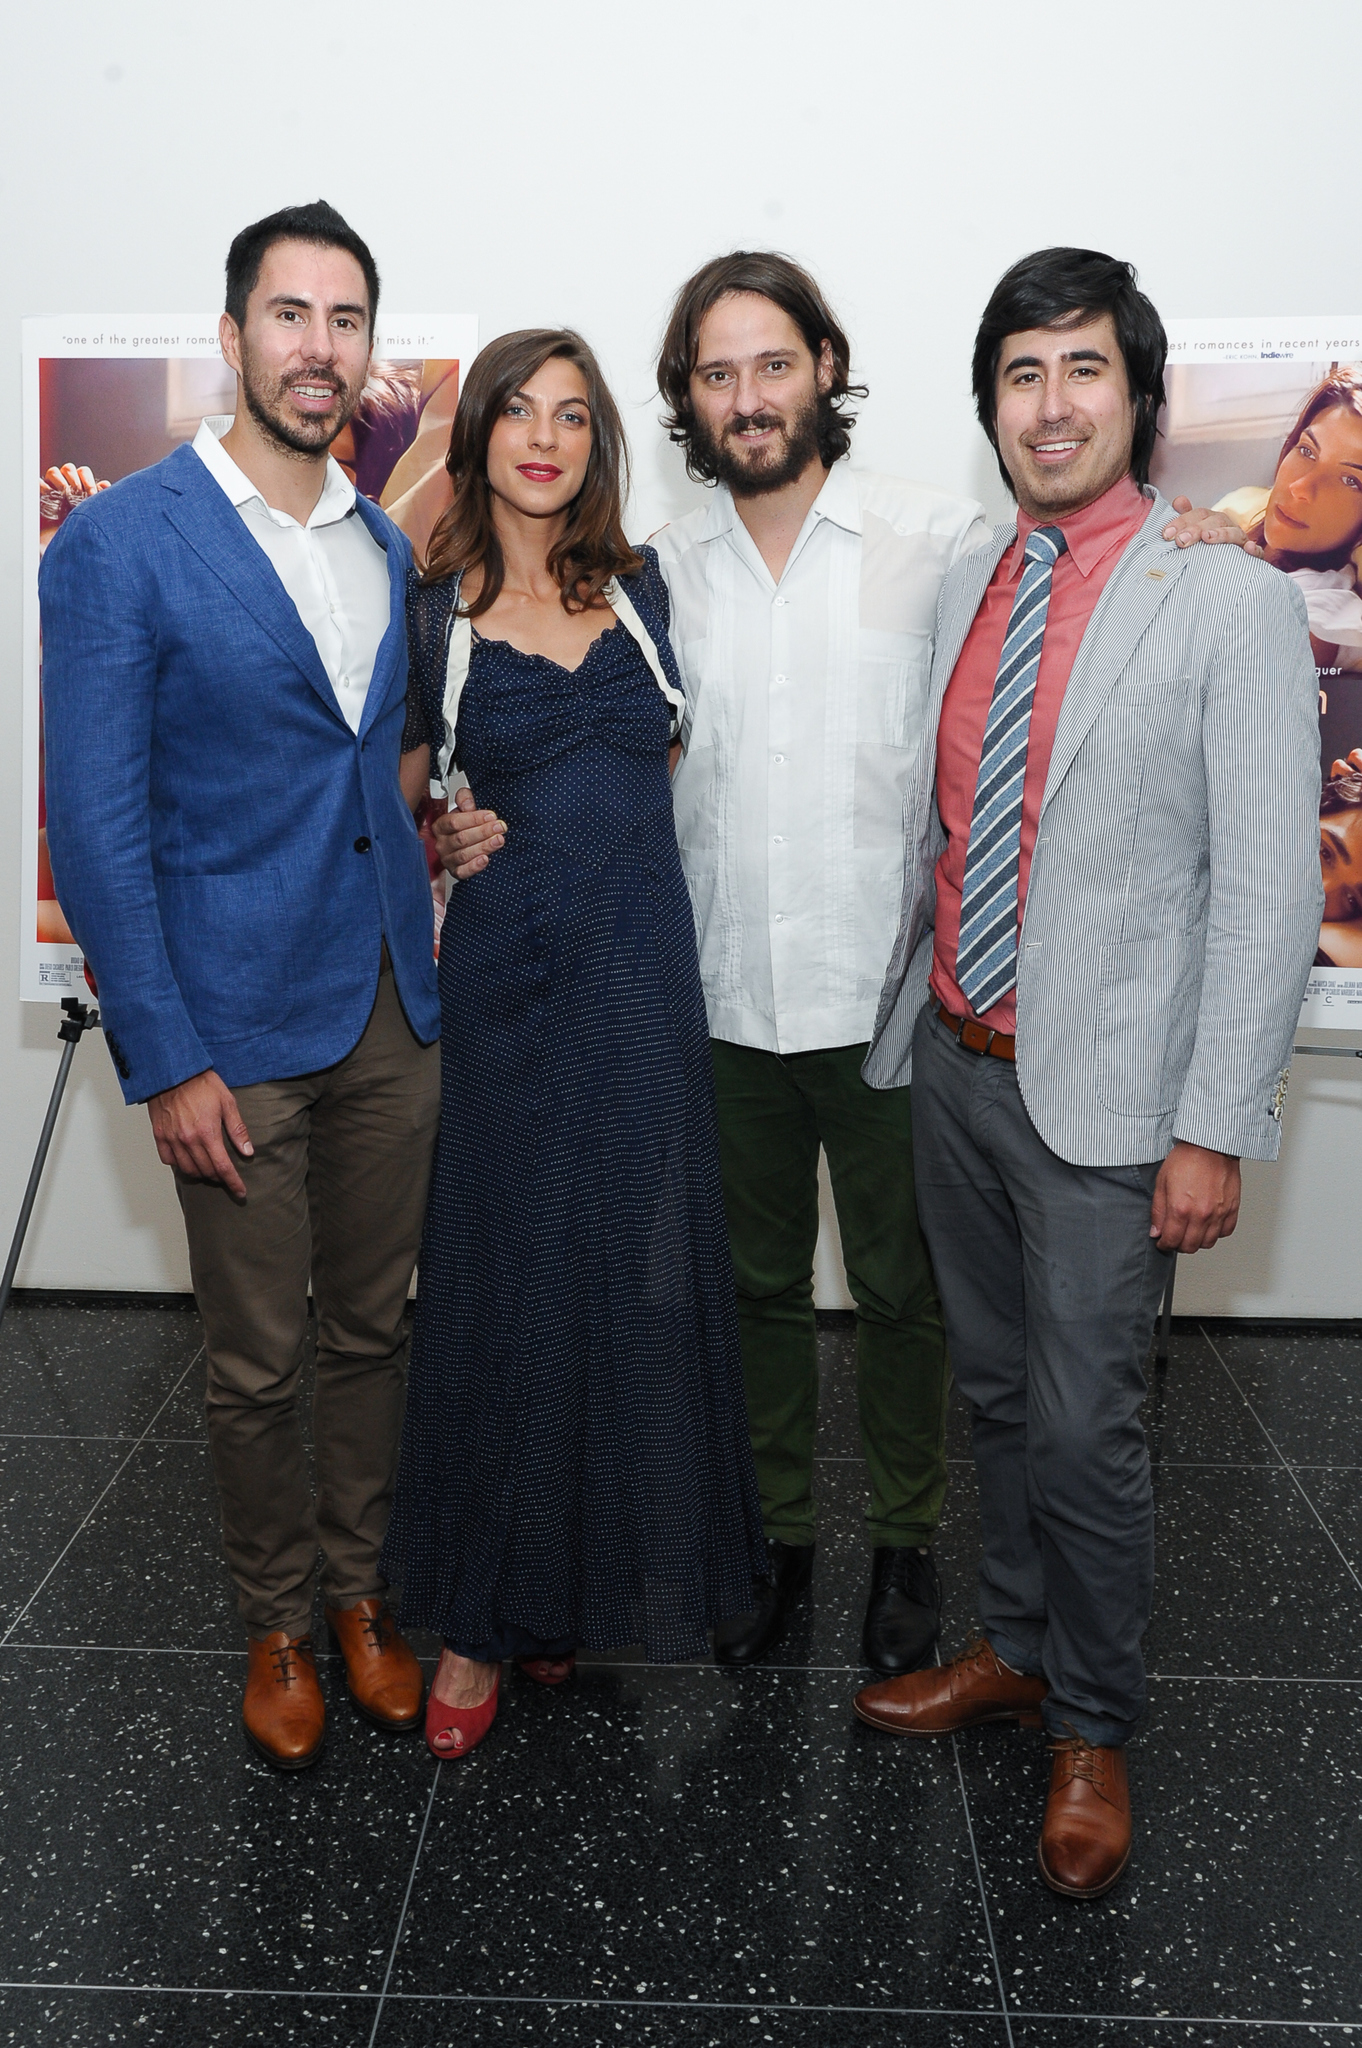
x,y
806,700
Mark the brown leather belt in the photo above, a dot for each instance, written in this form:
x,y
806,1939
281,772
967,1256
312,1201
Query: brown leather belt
x,y
976,1037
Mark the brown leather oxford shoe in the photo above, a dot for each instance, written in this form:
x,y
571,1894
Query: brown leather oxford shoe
x,y
283,1712
384,1677
973,1688
1085,1842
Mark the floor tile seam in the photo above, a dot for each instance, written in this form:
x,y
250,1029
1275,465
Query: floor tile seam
x,y
1241,1678
1185,2019
983,1895
93,1510
572,2003
65,1436
567,2000
406,1901
1286,1466
773,1670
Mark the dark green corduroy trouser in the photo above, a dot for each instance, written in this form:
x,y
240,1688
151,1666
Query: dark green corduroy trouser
x,y
774,1112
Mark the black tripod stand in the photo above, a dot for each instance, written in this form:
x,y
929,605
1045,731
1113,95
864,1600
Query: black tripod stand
x,y
79,1018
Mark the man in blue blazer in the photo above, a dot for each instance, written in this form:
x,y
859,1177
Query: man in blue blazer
x,y
224,676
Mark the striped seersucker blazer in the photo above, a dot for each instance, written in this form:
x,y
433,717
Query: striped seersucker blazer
x,y
1174,900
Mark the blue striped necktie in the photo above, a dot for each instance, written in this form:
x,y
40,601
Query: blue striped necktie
x,y
986,958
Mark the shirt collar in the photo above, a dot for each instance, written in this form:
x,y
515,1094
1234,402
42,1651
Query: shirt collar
x,y
338,493
839,500
1093,532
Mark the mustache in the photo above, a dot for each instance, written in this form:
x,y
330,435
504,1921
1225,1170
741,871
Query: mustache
x,y
764,422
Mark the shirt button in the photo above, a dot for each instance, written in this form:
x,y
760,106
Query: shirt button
x,y
361,844
780,917
779,839
782,679
779,759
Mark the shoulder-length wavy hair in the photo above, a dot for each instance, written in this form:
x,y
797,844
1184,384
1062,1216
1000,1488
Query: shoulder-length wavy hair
x,y
1342,388
766,274
592,548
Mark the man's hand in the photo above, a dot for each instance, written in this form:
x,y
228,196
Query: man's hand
x,y
1196,1199
1199,523
188,1123
466,838
1352,766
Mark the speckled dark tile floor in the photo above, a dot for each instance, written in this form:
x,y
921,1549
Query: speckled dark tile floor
x,y
685,1858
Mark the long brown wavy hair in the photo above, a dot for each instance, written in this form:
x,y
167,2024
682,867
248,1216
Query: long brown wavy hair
x,y
592,548
1341,388
766,274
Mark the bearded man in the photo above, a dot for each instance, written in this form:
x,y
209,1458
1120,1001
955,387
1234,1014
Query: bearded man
x,y
224,681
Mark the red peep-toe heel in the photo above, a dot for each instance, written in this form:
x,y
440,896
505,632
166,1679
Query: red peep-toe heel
x,y
463,1726
546,1670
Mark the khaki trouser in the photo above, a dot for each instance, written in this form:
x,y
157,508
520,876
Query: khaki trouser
x,y
336,1192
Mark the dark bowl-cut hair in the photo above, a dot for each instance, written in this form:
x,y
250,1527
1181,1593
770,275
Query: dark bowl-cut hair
x,y
317,223
592,548
768,275
1059,288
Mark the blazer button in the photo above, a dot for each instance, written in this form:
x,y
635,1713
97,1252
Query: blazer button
x,y
361,844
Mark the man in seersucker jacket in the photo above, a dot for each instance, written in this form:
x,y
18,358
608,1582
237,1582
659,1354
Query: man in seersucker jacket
x,y
224,678
1111,903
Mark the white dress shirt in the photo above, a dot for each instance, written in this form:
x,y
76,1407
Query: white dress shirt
x,y
806,701
333,569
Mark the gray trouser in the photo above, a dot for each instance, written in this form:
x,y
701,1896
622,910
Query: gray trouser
x,y
1049,1283
335,1193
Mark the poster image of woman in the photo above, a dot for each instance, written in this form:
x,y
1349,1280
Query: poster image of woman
x,y
1308,522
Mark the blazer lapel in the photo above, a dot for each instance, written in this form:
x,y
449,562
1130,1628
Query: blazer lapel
x,y
390,667
959,606
211,525
1137,586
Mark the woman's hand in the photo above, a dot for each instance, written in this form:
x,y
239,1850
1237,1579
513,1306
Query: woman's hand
x,y
466,838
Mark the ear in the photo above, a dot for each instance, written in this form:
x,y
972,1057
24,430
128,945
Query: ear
x,y
826,371
230,340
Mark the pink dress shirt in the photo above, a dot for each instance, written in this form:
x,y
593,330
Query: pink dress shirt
x,y
1097,537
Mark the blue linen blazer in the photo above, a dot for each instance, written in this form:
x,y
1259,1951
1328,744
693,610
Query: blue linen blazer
x,y
227,851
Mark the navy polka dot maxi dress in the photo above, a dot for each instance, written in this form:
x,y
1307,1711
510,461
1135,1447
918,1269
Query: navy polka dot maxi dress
x,y
575,1466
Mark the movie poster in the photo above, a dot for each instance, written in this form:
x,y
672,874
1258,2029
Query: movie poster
x,y
1264,418
106,396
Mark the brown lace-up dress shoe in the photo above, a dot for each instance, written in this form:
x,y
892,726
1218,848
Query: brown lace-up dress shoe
x,y
284,1713
1085,1842
384,1677
974,1687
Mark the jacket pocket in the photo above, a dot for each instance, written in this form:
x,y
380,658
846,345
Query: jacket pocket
x,y
229,950
1141,983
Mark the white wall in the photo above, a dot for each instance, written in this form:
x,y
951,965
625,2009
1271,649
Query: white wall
x,y
545,162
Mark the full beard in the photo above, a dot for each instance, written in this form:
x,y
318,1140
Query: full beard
x,y
298,433
752,475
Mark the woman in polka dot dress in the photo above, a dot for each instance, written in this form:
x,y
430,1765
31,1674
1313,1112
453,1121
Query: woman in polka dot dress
x,y
575,1468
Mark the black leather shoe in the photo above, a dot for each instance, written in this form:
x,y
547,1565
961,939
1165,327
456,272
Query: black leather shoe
x,y
903,1614
745,1637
